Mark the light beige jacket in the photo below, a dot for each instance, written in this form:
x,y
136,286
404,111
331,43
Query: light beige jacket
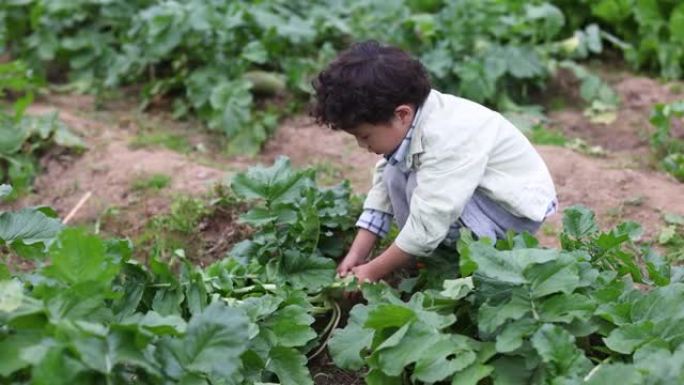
x,y
459,146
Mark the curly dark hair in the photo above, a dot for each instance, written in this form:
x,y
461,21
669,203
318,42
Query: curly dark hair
x,y
365,84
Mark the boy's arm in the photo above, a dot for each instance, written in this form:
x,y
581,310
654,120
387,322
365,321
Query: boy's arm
x,y
358,252
390,260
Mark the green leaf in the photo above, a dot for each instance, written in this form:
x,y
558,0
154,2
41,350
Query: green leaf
x,y
510,371
552,277
255,52
78,257
523,62
556,346
377,377
674,219
435,355
457,288
508,266
628,338
289,365
616,373
28,226
677,24
11,295
103,354
57,367
5,191
472,374
156,323
566,307
306,271
387,315
10,351
4,272
447,356
579,222
491,317
512,335
213,343
347,345
278,183
291,326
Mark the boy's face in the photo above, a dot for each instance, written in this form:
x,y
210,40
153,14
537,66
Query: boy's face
x,y
383,138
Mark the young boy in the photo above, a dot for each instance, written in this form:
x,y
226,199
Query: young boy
x,y
446,162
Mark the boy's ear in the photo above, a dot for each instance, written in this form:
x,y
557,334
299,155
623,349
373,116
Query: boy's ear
x,y
404,112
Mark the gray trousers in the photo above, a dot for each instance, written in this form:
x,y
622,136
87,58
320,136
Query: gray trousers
x,y
483,216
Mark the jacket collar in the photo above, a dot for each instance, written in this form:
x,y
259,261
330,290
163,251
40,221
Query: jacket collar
x,y
422,115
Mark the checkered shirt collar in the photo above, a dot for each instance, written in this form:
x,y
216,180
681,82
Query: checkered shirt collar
x,y
399,154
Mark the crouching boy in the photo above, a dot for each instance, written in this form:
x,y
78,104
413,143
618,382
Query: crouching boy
x,y
446,163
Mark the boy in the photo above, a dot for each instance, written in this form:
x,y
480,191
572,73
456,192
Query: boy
x,y
447,162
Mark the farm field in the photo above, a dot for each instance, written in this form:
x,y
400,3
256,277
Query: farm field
x,y
172,216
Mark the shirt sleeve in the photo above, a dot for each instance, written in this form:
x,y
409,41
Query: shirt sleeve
x,y
375,221
447,177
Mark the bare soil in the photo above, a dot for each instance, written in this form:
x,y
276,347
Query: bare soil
x,y
621,186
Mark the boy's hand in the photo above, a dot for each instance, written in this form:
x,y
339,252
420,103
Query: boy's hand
x,y
348,263
366,273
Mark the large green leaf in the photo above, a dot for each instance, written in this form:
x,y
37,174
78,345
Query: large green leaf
x,y
103,354
278,183
616,373
11,351
289,365
347,345
78,257
508,266
560,275
436,355
523,62
28,226
556,346
5,191
212,345
11,295
490,317
291,326
578,222
647,322
306,271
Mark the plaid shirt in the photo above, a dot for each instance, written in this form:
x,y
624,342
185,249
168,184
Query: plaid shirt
x,y
379,222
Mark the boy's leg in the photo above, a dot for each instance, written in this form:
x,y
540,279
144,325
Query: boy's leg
x,y
397,183
486,218
481,215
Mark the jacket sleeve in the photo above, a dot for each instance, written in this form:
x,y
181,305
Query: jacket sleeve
x,y
378,197
447,176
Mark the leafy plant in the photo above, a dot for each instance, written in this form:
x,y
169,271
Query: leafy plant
x,y
520,314
666,146
225,61
651,31
299,225
24,137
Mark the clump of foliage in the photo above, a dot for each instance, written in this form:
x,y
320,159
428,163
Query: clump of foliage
x,y
668,148
224,60
512,313
23,138
650,32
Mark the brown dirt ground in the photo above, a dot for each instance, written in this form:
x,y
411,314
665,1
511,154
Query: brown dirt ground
x,y
621,186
